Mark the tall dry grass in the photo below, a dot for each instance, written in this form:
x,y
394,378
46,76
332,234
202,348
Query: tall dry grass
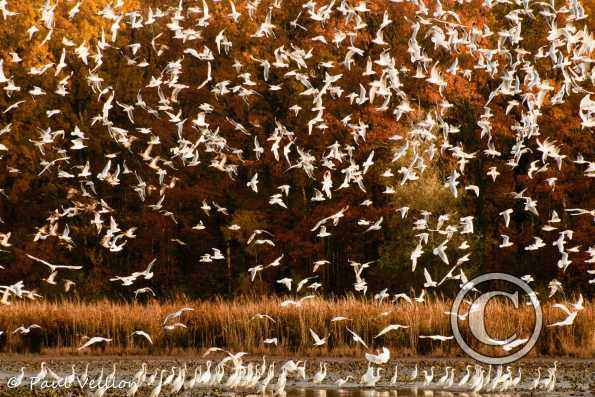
x,y
230,324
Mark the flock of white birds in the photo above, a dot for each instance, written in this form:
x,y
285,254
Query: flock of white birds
x,y
259,377
346,29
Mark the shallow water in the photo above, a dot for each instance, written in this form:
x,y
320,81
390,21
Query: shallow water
x,y
404,392
576,377
414,392
290,392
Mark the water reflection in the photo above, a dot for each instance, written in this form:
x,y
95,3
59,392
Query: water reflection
x,y
405,392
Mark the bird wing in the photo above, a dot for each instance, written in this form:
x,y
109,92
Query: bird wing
x,y
562,307
68,267
211,350
148,337
315,336
357,338
427,275
391,327
19,329
371,357
52,277
144,334
386,329
306,297
580,301
88,343
403,296
40,260
448,275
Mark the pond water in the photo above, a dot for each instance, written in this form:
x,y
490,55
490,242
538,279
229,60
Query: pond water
x,y
576,378
403,392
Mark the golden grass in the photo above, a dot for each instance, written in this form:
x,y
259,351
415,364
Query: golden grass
x,y
229,324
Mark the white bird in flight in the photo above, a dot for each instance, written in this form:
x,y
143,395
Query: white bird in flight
x,y
94,340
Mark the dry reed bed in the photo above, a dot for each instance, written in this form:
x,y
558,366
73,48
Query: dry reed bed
x,y
229,324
